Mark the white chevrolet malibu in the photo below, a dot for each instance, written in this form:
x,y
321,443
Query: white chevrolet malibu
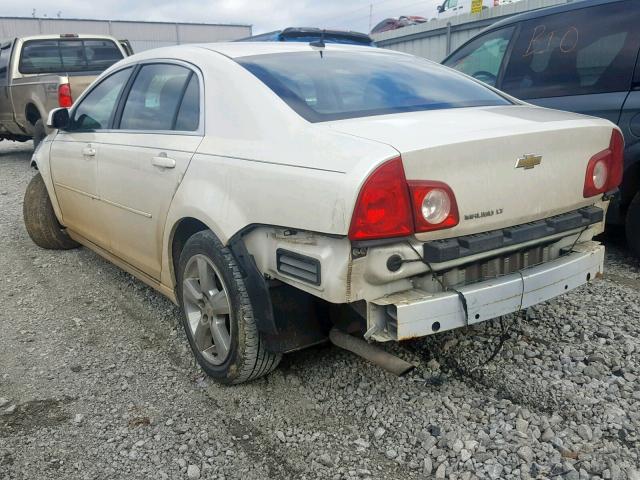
x,y
275,190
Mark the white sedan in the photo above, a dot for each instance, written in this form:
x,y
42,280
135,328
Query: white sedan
x,y
273,189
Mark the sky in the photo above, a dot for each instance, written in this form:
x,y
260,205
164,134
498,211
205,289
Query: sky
x,y
264,15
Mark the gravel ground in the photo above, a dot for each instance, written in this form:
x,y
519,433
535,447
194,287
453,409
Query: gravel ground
x,y
97,382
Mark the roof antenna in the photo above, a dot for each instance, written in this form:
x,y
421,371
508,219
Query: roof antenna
x,y
319,43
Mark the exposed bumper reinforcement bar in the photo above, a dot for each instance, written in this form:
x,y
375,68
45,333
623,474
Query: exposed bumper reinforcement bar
x,y
416,313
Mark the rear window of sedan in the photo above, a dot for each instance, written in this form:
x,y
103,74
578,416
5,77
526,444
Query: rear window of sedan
x,y
337,85
60,56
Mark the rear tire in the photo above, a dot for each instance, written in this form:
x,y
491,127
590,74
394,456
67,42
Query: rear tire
x,y
633,225
39,133
217,313
40,219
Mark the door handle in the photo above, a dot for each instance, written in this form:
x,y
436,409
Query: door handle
x,y
89,151
163,161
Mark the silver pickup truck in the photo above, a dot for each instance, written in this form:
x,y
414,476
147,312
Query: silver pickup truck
x,y
42,72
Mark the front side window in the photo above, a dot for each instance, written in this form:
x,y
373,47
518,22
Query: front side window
x,y
73,55
96,109
483,57
155,97
586,51
338,85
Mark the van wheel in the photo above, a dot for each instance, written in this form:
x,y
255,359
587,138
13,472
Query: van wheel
x,y
217,314
40,219
633,225
39,133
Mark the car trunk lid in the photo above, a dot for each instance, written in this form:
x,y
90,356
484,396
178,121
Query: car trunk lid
x,y
489,157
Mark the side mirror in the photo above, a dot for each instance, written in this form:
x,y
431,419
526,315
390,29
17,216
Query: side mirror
x,y
440,8
58,118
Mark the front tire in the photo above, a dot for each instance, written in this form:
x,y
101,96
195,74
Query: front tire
x,y
40,219
217,314
633,225
39,133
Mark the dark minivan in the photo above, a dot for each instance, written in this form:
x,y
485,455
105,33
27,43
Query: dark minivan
x,y
581,57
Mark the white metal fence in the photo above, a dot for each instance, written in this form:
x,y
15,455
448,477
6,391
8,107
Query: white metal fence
x,y
436,39
142,35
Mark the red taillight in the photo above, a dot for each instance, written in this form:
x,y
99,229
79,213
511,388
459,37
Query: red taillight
x,y
383,208
64,95
434,206
604,170
388,206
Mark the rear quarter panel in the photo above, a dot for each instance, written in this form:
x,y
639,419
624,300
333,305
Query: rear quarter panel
x,y
262,164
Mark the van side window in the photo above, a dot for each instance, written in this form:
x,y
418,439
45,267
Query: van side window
x,y
586,51
483,57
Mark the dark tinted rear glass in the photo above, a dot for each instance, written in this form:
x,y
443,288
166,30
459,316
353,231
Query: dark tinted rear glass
x,y
340,85
590,50
54,56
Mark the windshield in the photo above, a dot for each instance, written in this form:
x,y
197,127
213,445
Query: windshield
x,y
58,56
339,85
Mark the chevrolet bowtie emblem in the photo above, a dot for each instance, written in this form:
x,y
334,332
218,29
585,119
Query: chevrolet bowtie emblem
x,y
529,161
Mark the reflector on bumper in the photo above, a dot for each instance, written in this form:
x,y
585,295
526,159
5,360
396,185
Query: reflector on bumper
x,y
415,313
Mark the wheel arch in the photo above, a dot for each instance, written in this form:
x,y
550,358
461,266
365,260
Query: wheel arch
x,y
182,230
279,334
32,113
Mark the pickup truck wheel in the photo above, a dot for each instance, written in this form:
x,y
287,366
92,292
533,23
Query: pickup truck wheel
x,y
633,225
39,133
40,219
217,314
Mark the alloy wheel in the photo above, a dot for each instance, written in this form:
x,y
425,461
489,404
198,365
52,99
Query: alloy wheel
x,y
206,304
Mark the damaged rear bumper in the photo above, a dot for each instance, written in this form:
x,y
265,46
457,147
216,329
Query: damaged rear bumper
x,y
416,313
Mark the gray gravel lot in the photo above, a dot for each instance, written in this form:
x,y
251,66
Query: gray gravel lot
x,y
97,382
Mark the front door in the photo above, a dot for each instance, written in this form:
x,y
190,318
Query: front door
x,y
159,128
74,159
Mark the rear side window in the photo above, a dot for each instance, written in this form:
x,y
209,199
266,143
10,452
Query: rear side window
x,y
483,57
591,50
189,113
338,85
155,98
73,55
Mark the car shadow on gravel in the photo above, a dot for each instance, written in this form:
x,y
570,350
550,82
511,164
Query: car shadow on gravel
x,y
35,415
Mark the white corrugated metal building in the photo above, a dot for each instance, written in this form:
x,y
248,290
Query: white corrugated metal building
x,y
142,35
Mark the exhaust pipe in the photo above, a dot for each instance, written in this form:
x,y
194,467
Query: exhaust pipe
x,y
375,355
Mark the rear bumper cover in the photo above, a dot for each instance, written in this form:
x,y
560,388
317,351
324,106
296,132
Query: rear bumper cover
x,y
415,313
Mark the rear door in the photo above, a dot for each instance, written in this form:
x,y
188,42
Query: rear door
x,y
159,127
581,61
74,159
